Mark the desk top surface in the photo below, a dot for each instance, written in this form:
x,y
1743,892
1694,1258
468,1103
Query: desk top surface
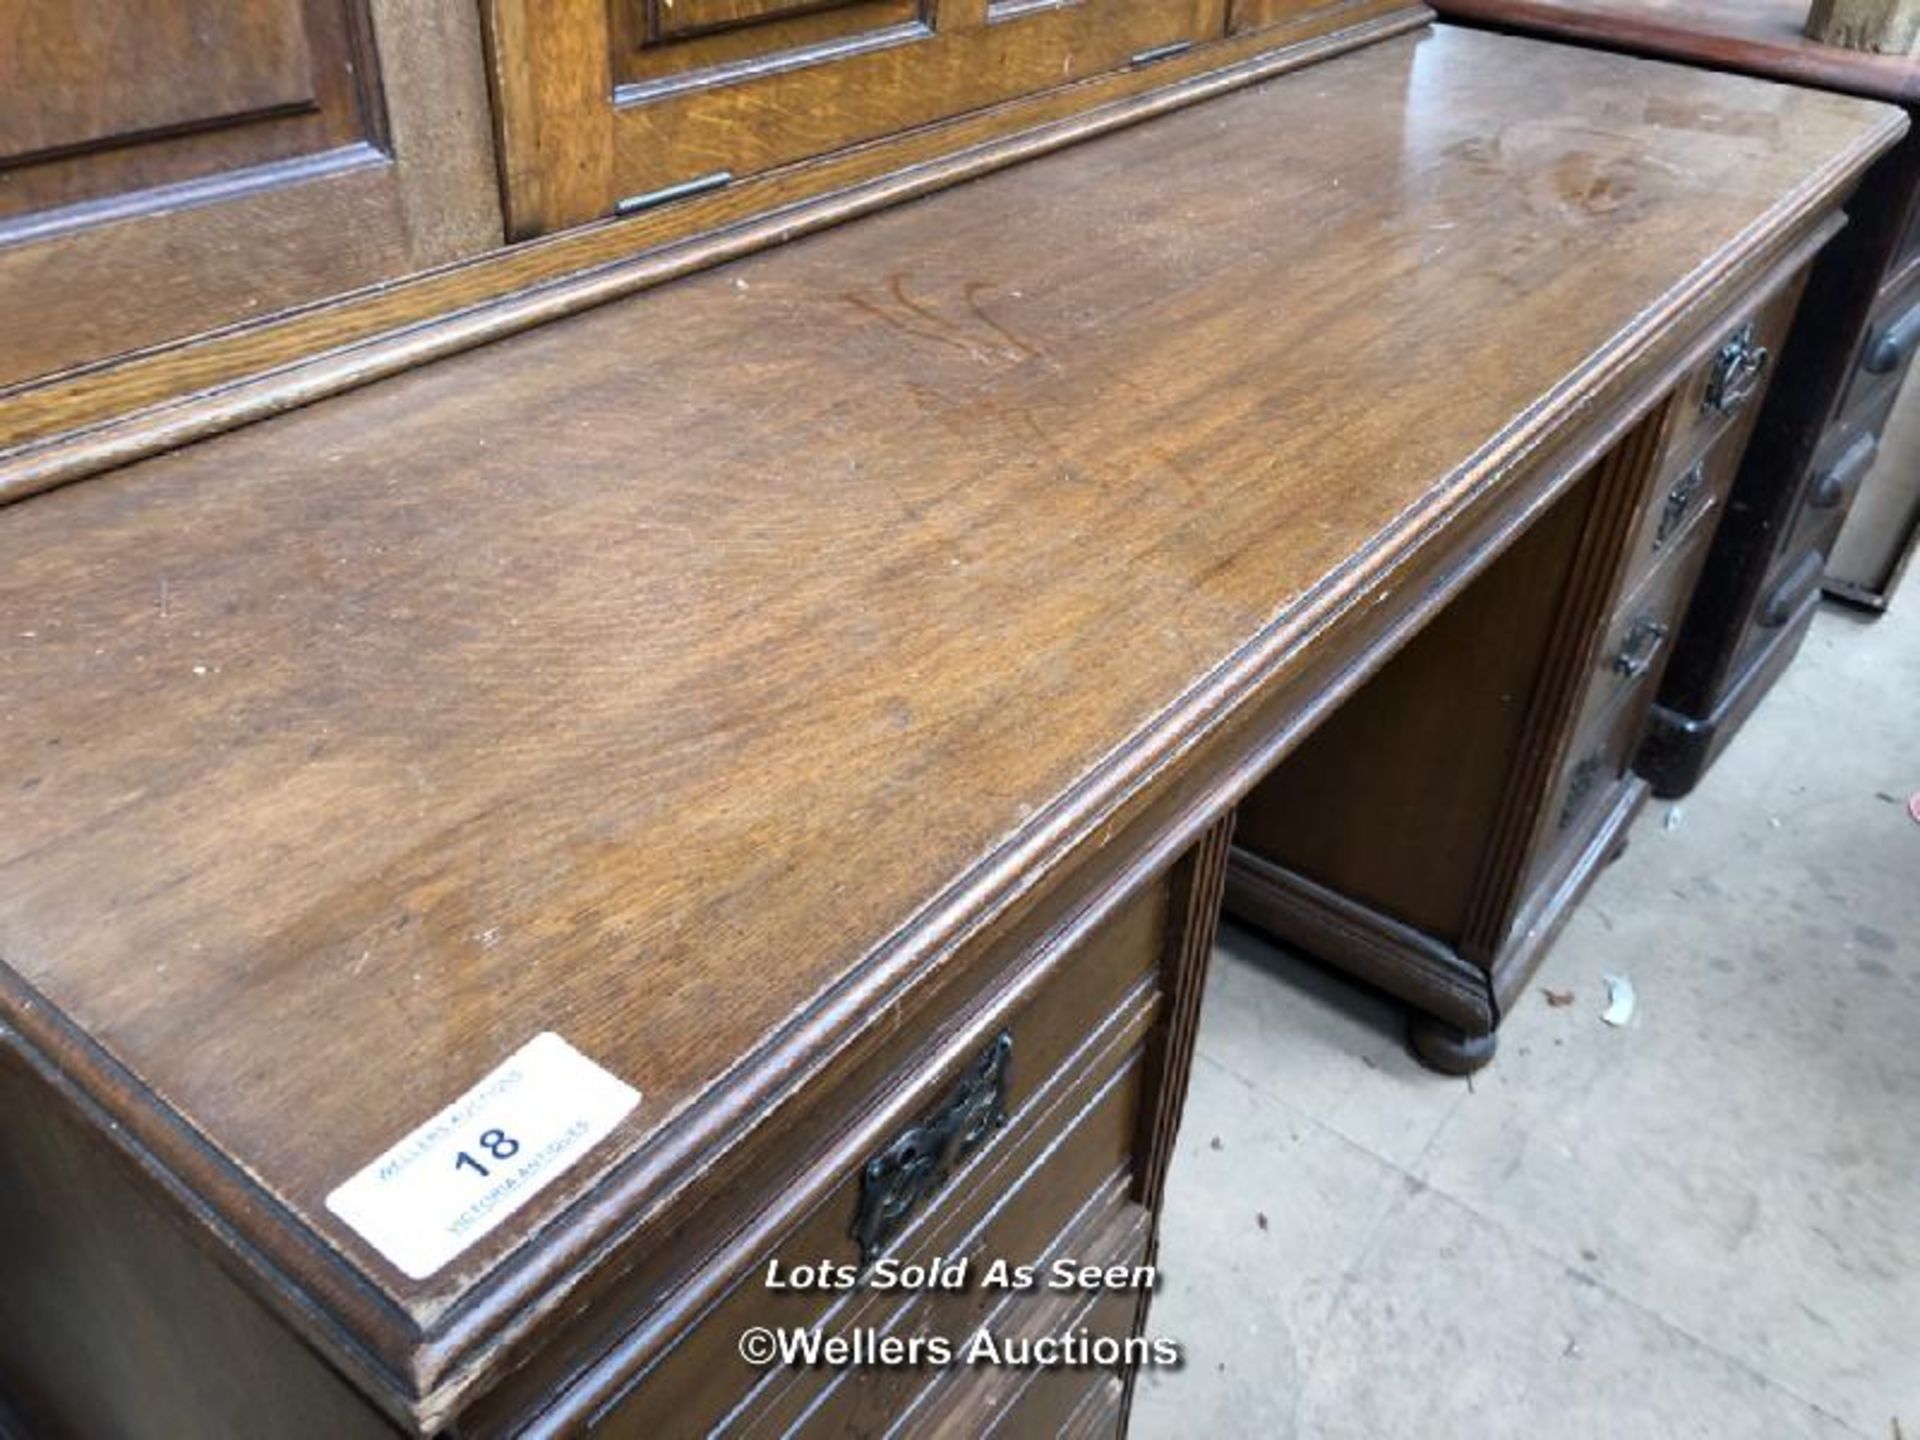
x,y
1754,37
650,677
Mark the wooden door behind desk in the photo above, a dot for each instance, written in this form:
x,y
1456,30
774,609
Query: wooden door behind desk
x,y
171,166
603,101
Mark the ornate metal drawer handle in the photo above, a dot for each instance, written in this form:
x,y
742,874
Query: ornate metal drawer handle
x,y
918,1159
1736,372
1641,644
1687,489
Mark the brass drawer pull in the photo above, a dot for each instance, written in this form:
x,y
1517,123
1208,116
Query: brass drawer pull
x,y
1680,501
1891,345
1641,644
1836,482
1736,373
917,1160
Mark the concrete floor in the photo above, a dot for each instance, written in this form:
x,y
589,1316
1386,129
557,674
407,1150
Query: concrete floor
x,y
1704,1224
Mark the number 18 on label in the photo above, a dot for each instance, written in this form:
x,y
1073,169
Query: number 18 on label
x,y
457,1177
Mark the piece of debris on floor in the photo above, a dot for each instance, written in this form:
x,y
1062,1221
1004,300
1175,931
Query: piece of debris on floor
x,y
1558,999
1913,807
1214,1144
1620,1000
1260,1218
1672,819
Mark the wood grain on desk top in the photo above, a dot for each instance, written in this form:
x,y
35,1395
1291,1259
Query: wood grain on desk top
x,y
644,676
1755,37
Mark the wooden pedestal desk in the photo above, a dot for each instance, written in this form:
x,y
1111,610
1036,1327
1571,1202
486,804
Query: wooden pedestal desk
x,y
742,773
1816,439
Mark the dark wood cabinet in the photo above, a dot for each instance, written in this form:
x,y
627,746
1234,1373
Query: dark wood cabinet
x,y
1813,449
1812,456
1869,544
1881,531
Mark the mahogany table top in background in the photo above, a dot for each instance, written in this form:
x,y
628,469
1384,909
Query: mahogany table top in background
x,y
1753,37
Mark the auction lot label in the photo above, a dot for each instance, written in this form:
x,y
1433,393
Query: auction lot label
x,y
453,1180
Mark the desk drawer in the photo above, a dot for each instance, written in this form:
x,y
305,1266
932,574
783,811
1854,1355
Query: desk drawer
x,y
1029,1042
1886,350
1098,1417
1845,458
1730,382
1599,756
1053,1401
1631,656
1066,1402
1907,251
1687,494
1053,1211
1640,633
1793,581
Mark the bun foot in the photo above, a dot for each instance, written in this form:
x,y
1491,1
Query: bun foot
x,y
1448,1048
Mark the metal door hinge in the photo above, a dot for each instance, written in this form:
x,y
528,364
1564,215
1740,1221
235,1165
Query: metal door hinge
x,y
1159,53
699,185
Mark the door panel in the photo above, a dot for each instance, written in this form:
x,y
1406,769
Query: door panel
x,y
705,87
822,98
126,63
172,166
1258,14
654,40
99,98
